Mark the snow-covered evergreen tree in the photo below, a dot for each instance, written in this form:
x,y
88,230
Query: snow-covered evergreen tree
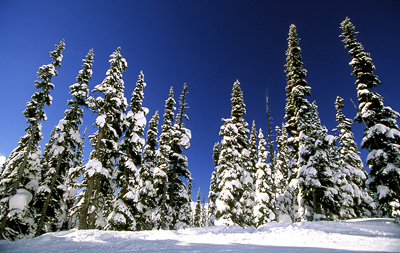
x,y
163,213
61,151
232,163
353,190
213,192
20,175
249,180
382,135
197,211
146,205
127,179
296,88
179,198
265,196
95,205
317,188
285,182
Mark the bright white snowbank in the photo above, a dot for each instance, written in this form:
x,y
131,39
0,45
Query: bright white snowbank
x,y
362,235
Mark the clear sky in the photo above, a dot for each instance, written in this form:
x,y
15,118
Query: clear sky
x,y
206,44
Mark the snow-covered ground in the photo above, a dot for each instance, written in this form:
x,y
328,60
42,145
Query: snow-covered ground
x,y
361,235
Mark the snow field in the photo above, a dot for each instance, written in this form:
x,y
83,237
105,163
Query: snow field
x,y
360,235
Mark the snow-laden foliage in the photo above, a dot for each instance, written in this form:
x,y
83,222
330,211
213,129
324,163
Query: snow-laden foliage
x,y
381,136
22,168
94,206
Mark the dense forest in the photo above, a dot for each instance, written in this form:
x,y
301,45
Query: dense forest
x,y
139,180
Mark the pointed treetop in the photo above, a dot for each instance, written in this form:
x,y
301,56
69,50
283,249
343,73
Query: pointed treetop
x,y
238,106
56,55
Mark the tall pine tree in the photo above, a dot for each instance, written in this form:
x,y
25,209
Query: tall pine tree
x,y
60,155
163,214
265,196
21,170
179,198
146,205
353,189
127,179
232,163
95,205
382,135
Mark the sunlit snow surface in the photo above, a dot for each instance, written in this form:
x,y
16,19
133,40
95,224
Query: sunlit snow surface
x,y
362,235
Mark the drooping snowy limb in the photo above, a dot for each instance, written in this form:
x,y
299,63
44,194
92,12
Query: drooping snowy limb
x,y
94,206
22,168
381,136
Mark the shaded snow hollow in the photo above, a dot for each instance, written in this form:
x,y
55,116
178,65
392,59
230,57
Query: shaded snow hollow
x,y
360,235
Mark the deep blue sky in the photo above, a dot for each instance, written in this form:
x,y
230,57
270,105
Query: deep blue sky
x,y
207,44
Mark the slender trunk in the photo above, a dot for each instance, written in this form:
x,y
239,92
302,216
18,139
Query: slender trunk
x,y
85,207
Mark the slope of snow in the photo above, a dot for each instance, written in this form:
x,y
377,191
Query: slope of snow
x,y
361,235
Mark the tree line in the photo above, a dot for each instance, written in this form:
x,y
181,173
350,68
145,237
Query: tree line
x,y
308,177
128,183
140,181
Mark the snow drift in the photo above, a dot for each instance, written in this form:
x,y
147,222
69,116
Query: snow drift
x,y
360,235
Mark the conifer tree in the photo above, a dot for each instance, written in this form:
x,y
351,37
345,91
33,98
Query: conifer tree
x,y
265,197
232,163
213,192
94,207
60,154
317,190
296,88
21,170
296,100
269,138
382,135
197,211
163,214
203,213
353,188
249,180
146,192
127,179
179,198
286,199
